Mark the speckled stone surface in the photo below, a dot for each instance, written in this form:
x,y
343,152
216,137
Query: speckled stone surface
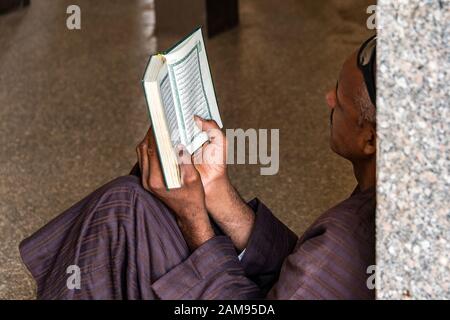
x,y
72,107
413,216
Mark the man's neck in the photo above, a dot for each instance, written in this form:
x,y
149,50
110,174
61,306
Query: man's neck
x,y
365,173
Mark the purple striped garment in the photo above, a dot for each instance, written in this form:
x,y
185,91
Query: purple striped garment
x,y
127,245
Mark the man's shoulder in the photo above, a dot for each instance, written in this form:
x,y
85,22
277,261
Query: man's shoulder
x,y
353,217
358,207
340,243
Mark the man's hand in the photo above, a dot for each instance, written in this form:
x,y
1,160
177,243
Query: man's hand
x,y
210,160
223,202
187,202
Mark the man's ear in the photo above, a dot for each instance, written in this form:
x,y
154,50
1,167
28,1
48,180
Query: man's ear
x,y
370,140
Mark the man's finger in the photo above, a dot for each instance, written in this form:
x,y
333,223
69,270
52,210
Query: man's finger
x,y
204,124
188,171
138,153
215,134
139,147
156,178
144,164
148,135
198,155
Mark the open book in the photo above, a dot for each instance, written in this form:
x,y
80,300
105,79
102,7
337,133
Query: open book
x,y
178,85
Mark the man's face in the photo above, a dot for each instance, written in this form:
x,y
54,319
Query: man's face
x,y
348,138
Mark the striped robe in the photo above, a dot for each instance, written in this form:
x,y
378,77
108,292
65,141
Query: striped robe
x,y
127,245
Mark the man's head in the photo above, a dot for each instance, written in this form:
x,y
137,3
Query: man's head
x,y
352,118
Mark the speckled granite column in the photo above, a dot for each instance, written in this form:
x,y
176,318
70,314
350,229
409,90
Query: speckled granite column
x,y
413,215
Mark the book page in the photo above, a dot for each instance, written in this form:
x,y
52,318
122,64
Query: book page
x,y
190,92
169,106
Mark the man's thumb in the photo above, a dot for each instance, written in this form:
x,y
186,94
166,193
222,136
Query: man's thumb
x,y
204,124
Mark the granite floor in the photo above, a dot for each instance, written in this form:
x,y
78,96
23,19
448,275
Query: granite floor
x,y
72,109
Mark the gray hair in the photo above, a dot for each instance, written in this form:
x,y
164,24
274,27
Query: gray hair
x,y
367,109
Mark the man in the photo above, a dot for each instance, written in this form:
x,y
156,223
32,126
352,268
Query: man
x,y
133,239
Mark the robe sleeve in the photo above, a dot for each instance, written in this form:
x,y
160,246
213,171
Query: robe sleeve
x,y
214,271
330,261
269,244
321,267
